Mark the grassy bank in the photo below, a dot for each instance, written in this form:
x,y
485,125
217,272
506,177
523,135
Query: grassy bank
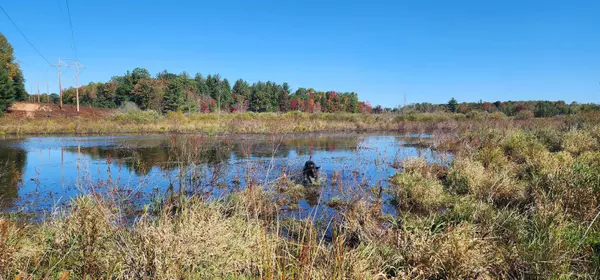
x,y
520,200
292,122
147,122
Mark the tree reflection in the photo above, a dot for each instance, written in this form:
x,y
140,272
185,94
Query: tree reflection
x,y
12,165
180,150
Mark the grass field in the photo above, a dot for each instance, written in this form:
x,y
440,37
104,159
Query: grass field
x,y
114,122
520,200
149,122
34,118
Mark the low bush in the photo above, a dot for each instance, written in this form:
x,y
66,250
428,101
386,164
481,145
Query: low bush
x,y
139,117
176,117
551,138
128,106
578,141
476,115
415,193
524,115
497,116
521,147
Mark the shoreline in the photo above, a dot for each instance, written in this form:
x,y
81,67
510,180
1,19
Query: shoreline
x,y
148,122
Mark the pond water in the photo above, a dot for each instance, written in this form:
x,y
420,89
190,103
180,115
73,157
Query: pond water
x,y
39,173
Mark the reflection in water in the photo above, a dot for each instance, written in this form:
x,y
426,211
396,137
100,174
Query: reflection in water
x,y
163,152
50,170
12,163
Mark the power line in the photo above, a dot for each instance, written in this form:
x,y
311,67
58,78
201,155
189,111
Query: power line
x,y
38,52
72,33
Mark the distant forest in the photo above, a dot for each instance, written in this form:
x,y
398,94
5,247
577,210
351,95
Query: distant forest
x,y
181,92
172,92
538,109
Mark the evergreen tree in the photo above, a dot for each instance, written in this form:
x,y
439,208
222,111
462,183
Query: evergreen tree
x,y
124,86
452,105
138,74
545,109
241,88
166,76
259,98
225,93
6,90
201,87
19,86
12,69
283,98
212,85
174,95
240,95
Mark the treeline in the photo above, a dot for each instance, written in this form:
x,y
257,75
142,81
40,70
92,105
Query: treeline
x,y
181,92
12,83
538,109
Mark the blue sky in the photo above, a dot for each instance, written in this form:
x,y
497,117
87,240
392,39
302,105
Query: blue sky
x,y
428,51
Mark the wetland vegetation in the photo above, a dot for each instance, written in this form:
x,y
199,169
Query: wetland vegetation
x,y
518,199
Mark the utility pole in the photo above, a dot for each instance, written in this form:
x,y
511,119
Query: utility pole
x,y
77,66
47,93
59,82
39,92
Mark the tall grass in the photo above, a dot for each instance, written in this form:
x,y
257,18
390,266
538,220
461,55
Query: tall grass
x,y
520,203
520,200
135,121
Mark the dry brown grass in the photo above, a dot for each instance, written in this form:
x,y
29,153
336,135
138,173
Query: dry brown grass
x,y
519,201
146,122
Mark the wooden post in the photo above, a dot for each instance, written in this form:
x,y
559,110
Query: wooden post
x,y
59,83
77,84
77,66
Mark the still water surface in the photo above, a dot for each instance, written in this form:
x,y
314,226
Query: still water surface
x,y
39,173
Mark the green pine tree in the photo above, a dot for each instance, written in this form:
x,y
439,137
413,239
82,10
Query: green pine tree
x,y
453,105
174,96
283,97
259,98
19,87
7,93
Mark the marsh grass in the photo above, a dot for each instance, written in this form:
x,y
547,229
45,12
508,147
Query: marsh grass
x,y
517,202
520,200
136,121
